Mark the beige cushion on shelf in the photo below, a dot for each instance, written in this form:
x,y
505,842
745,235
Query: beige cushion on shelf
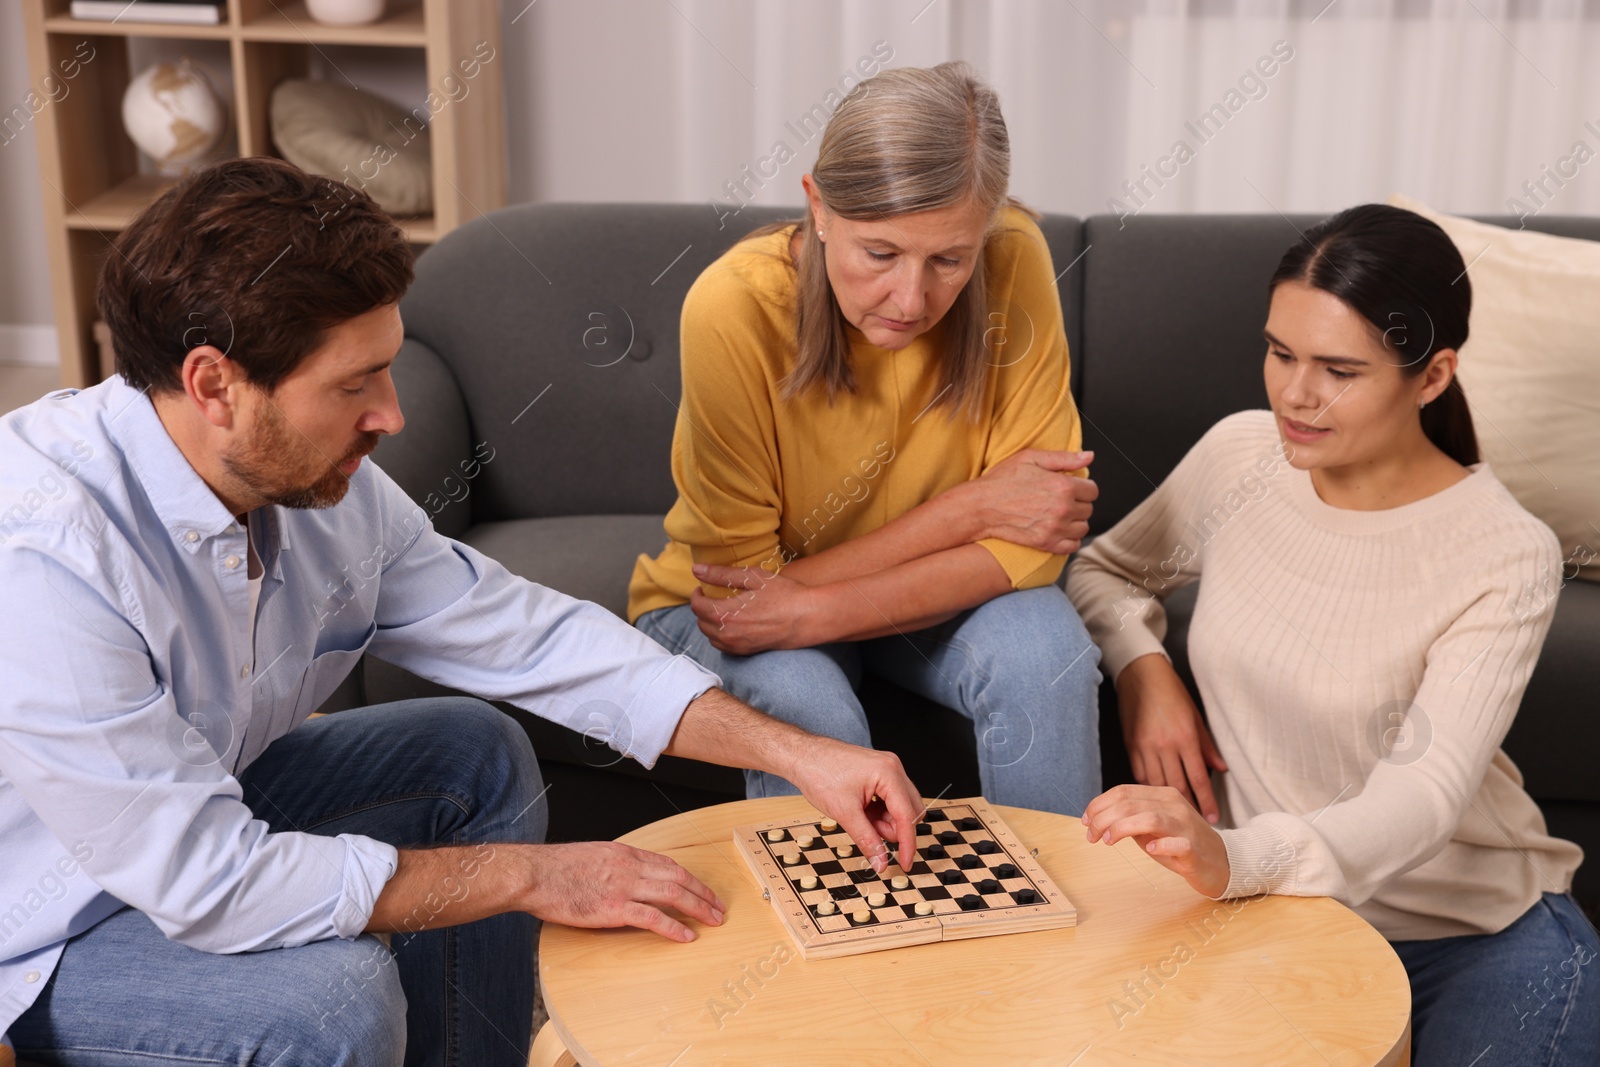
x,y
345,133
1531,372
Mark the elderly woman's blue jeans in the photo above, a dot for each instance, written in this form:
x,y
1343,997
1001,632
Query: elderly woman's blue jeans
x,y
1021,667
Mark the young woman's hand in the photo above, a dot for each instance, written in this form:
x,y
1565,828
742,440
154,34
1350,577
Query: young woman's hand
x,y
1030,499
769,611
1165,825
1168,743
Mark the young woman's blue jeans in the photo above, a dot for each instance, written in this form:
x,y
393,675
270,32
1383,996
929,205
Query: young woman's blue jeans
x,y
1528,996
445,771
1021,667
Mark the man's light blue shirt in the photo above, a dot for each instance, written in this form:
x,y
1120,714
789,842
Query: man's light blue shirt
x,y
133,694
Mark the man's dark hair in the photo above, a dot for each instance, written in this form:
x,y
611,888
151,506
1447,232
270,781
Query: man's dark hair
x,y
253,256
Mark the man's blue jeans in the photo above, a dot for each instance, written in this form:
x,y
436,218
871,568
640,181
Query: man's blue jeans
x,y
1528,996
1020,666
448,771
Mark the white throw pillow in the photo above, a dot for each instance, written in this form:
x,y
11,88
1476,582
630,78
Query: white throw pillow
x,y
1531,372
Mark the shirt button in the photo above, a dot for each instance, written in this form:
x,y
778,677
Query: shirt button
x,y
232,528
31,976
191,537
231,562
244,672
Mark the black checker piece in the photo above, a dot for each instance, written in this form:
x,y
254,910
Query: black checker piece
x,y
968,863
952,878
935,852
969,823
949,837
1007,870
988,885
970,902
986,847
1026,896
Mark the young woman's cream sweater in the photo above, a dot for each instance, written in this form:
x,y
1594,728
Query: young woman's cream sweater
x,y
1359,670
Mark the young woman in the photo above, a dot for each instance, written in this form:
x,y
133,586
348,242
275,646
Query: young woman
x,y
875,450
1361,642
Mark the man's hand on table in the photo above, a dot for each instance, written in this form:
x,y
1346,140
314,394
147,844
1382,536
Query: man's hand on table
x,y
591,883
1163,823
608,884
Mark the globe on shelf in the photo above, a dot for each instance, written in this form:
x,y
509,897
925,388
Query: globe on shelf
x,y
174,114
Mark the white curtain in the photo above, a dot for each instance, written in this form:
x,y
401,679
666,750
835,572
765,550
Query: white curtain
x,y
1472,105
1481,106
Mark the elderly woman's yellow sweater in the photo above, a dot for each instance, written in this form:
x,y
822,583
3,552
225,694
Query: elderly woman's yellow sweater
x,y
763,480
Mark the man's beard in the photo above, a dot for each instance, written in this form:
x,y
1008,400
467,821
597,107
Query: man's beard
x,y
279,461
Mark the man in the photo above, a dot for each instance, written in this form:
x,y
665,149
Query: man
x,y
192,557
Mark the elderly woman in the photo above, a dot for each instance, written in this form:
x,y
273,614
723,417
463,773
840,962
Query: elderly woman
x,y
1362,639
877,454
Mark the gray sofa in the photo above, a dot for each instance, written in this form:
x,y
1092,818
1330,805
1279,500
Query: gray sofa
x,y
541,359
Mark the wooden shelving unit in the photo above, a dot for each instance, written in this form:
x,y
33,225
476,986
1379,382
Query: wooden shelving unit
x,y
89,169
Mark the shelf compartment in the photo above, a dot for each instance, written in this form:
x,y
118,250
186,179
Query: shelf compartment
x,y
89,169
92,151
289,21
264,64
119,205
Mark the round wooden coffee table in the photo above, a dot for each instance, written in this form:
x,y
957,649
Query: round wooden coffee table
x,y
1153,973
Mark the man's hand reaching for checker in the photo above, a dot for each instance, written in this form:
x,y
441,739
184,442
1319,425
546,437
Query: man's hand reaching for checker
x,y
864,790
867,792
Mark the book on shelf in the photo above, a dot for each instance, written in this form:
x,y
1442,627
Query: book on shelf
x,y
188,12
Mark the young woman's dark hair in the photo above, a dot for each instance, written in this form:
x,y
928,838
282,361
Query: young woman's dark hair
x,y
253,256
1402,273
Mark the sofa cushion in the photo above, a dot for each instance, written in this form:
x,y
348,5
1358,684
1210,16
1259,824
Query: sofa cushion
x,y
1557,733
559,323
1064,235
586,556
